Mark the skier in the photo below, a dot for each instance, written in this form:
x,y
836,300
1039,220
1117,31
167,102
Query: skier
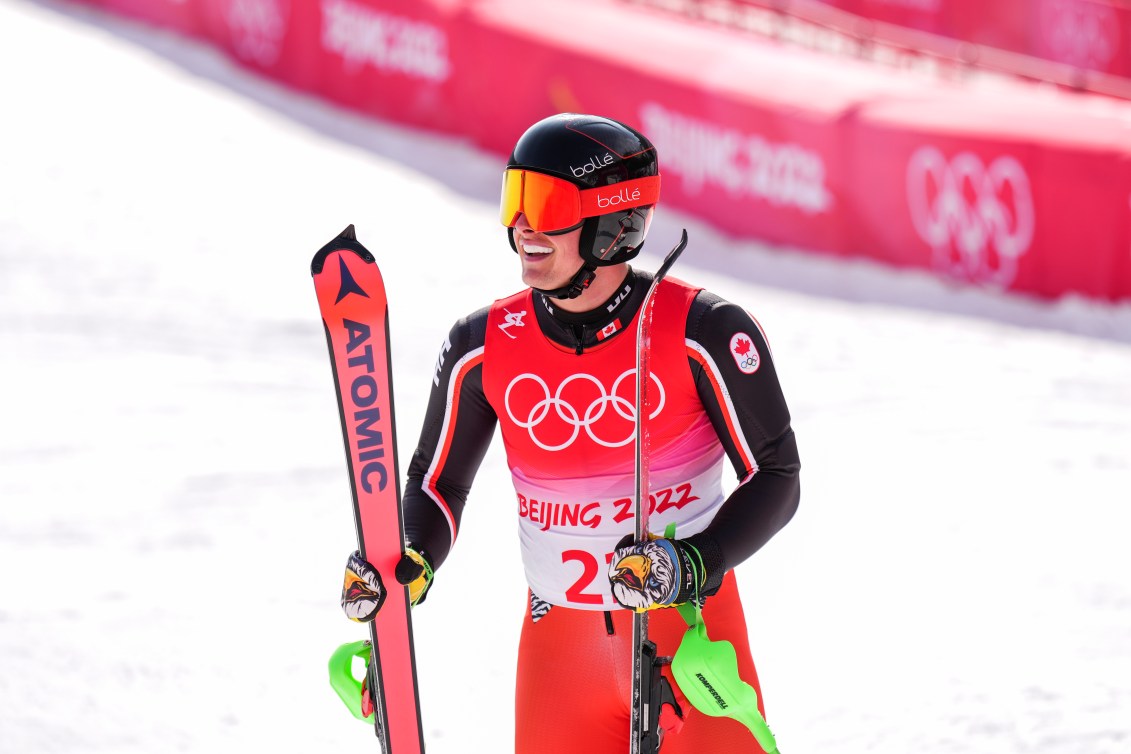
x,y
554,367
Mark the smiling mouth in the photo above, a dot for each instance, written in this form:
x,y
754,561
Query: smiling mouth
x,y
536,250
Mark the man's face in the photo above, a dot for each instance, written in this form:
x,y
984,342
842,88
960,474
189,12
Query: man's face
x,y
548,261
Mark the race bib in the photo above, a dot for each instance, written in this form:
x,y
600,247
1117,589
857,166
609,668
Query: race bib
x,y
567,541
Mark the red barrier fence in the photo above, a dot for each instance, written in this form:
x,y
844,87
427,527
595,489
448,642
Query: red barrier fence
x,y
1091,34
1006,187
1079,44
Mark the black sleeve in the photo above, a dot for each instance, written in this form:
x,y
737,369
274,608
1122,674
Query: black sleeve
x,y
749,413
457,431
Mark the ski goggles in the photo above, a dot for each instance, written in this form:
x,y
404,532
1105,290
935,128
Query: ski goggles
x,y
554,204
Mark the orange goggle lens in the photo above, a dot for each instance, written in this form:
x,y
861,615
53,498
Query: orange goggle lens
x,y
551,203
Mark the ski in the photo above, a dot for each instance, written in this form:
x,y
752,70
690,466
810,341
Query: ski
x,y
646,688
351,297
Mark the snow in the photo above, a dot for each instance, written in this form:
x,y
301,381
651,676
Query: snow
x,y
175,509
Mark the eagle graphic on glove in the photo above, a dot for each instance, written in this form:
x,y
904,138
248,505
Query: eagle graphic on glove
x,y
654,574
362,590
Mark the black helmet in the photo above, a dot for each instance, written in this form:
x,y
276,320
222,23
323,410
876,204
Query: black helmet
x,y
591,152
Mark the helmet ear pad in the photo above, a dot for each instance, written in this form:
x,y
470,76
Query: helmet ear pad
x,y
616,237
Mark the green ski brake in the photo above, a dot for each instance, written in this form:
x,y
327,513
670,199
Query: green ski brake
x,y
349,688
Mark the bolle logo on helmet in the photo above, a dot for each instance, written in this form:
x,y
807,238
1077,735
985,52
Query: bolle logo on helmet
x,y
978,219
594,163
621,197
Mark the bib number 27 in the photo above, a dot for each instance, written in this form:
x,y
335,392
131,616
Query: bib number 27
x,y
590,572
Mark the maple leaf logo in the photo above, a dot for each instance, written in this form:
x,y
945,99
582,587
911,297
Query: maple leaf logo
x,y
745,354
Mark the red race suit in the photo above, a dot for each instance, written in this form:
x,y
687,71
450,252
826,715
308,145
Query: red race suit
x,y
561,386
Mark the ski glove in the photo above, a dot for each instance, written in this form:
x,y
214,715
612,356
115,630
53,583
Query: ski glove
x,y
657,573
415,571
363,592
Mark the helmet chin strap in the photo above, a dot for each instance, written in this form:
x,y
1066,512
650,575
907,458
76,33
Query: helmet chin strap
x,y
576,286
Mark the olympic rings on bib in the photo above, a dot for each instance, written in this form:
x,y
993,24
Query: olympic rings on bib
x,y
568,414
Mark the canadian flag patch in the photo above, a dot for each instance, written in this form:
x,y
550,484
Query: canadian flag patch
x,y
608,329
744,353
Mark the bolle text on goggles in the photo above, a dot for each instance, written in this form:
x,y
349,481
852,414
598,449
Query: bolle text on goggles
x,y
554,204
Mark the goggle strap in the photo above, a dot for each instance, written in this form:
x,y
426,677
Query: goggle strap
x,y
638,192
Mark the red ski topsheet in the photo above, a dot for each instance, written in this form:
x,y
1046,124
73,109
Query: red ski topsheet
x,y
351,296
